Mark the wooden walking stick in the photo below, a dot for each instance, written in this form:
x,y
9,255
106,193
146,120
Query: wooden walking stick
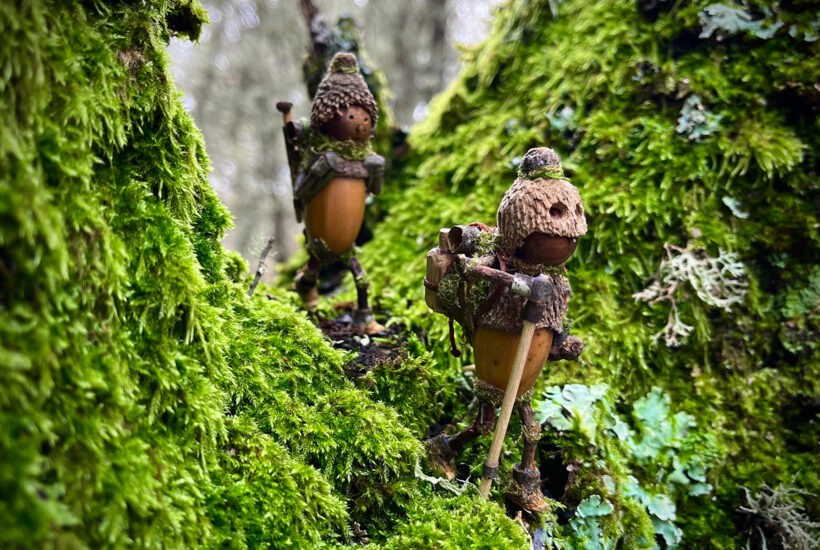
x,y
284,107
291,132
539,289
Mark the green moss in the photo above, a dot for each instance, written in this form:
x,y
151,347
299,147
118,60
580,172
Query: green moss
x,y
411,383
185,19
145,399
486,242
455,523
607,86
260,492
319,143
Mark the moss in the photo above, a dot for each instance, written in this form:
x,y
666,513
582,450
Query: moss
x,y
260,491
455,523
486,242
185,19
411,383
319,143
148,401
606,86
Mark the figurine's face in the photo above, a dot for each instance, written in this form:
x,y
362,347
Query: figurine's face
x,y
542,249
352,123
540,220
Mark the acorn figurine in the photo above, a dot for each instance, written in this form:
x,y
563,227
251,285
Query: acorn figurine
x,y
333,168
487,280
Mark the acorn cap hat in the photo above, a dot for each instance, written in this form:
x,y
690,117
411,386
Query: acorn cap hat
x,y
541,200
342,87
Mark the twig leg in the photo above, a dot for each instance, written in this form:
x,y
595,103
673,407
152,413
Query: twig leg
x,y
525,486
306,281
482,425
442,449
363,314
531,432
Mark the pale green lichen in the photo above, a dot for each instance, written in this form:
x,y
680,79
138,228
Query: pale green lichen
x,y
695,121
651,442
720,282
778,518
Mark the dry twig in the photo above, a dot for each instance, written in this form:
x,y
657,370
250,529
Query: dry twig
x,y
260,269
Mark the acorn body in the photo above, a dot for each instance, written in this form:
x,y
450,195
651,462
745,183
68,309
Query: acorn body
x,y
495,353
336,213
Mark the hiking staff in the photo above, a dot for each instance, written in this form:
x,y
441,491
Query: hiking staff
x,y
291,133
539,291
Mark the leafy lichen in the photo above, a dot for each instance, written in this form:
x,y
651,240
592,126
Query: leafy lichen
x,y
719,282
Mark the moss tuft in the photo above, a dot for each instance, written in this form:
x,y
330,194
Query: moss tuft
x,y
456,523
144,399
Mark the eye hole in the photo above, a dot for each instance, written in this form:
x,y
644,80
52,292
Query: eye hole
x,y
350,117
366,119
557,211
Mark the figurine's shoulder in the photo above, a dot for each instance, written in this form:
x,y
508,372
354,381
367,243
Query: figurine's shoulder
x,y
321,155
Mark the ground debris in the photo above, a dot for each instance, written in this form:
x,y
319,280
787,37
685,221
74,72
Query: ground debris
x,y
383,348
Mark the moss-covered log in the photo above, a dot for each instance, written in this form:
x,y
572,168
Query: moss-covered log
x,y
684,124
144,399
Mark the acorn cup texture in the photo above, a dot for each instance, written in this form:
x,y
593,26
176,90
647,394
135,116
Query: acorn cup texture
x,y
540,218
540,201
341,88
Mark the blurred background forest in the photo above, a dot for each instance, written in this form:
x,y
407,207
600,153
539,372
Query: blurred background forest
x,y
250,57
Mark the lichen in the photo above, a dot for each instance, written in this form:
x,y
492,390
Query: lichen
x,y
695,121
728,19
349,149
719,282
653,443
778,518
